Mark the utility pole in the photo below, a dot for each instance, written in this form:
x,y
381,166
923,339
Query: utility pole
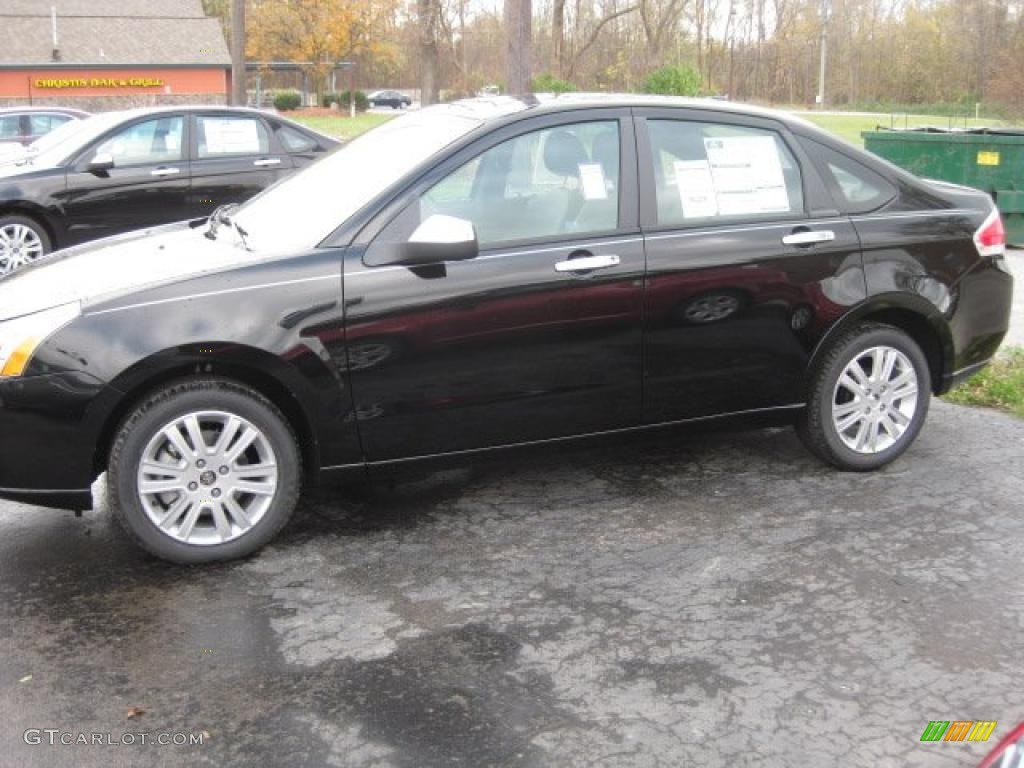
x,y
238,92
518,20
824,53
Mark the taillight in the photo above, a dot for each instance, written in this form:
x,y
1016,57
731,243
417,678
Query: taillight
x,y
990,239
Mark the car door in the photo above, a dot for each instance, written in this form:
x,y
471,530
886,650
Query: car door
x,y
147,185
748,263
235,156
514,345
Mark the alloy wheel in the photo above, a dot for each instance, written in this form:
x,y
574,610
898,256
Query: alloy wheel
x,y
19,246
207,477
875,399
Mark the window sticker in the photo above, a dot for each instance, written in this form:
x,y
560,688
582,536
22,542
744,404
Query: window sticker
x,y
696,188
231,136
592,179
747,174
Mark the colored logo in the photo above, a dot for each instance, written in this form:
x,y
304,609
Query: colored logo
x,y
958,730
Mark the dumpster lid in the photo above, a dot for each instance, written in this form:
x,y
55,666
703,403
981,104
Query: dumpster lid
x,y
987,131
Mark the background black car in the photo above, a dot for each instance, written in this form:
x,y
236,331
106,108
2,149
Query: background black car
x,y
488,274
23,125
392,99
120,171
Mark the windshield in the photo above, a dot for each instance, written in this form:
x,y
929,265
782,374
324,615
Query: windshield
x,y
302,210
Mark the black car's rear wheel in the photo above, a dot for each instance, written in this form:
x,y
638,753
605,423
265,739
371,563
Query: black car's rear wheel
x,y
22,241
204,470
868,399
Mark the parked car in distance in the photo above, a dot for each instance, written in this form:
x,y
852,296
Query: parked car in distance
x,y
392,99
120,171
486,274
23,125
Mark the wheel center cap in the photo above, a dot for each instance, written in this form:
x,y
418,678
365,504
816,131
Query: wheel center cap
x,y
208,478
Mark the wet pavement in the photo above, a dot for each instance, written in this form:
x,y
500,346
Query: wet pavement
x,y
708,599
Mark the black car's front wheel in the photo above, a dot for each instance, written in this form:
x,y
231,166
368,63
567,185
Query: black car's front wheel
x,y
204,470
868,399
22,241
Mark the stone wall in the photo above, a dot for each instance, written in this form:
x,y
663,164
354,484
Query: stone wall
x,y
119,101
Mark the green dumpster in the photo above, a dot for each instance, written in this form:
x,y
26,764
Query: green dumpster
x,y
989,159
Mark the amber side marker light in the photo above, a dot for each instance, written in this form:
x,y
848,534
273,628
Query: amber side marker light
x,y
19,358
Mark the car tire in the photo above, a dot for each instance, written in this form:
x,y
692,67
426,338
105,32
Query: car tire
x,y
867,400
27,232
197,506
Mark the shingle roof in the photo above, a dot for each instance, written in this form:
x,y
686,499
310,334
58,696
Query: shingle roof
x,y
111,32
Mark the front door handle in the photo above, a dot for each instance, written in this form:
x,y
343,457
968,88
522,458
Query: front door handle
x,y
166,172
588,263
268,161
809,237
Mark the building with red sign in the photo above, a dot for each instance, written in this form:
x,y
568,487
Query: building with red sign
x,y
111,54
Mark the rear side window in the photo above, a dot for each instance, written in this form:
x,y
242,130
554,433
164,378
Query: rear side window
x,y
706,173
853,184
41,124
225,135
295,141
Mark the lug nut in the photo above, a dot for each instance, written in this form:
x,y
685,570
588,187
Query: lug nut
x,y
200,463
223,470
215,492
192,486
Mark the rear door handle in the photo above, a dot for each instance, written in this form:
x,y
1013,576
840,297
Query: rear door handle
x,y
165,172
268,161
588,263
809,237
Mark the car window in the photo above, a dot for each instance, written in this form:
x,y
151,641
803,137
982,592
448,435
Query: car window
x,y
862,188
705,173
10,126
556,181
151,141
225,135
295,141
41,124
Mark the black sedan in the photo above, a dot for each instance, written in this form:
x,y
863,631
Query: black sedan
x,y
120,171
486,274
23,125
392,99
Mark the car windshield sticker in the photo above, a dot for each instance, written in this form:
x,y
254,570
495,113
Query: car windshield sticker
x,y
592,178
226,136
747,173
696,188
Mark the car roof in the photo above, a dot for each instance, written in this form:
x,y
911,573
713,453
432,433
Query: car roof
x,y
35,110
123,115
143,111
489,108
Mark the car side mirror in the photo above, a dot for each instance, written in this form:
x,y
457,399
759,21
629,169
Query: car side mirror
x,y
440,238
100,163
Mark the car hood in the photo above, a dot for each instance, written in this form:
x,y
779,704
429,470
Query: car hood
x,y
116,265
23,164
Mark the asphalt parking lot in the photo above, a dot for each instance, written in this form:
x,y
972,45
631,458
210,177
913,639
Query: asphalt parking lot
x,y
701,599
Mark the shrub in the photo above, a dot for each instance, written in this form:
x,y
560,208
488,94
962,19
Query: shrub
x,y
287,100
342,100
548,83
673,81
